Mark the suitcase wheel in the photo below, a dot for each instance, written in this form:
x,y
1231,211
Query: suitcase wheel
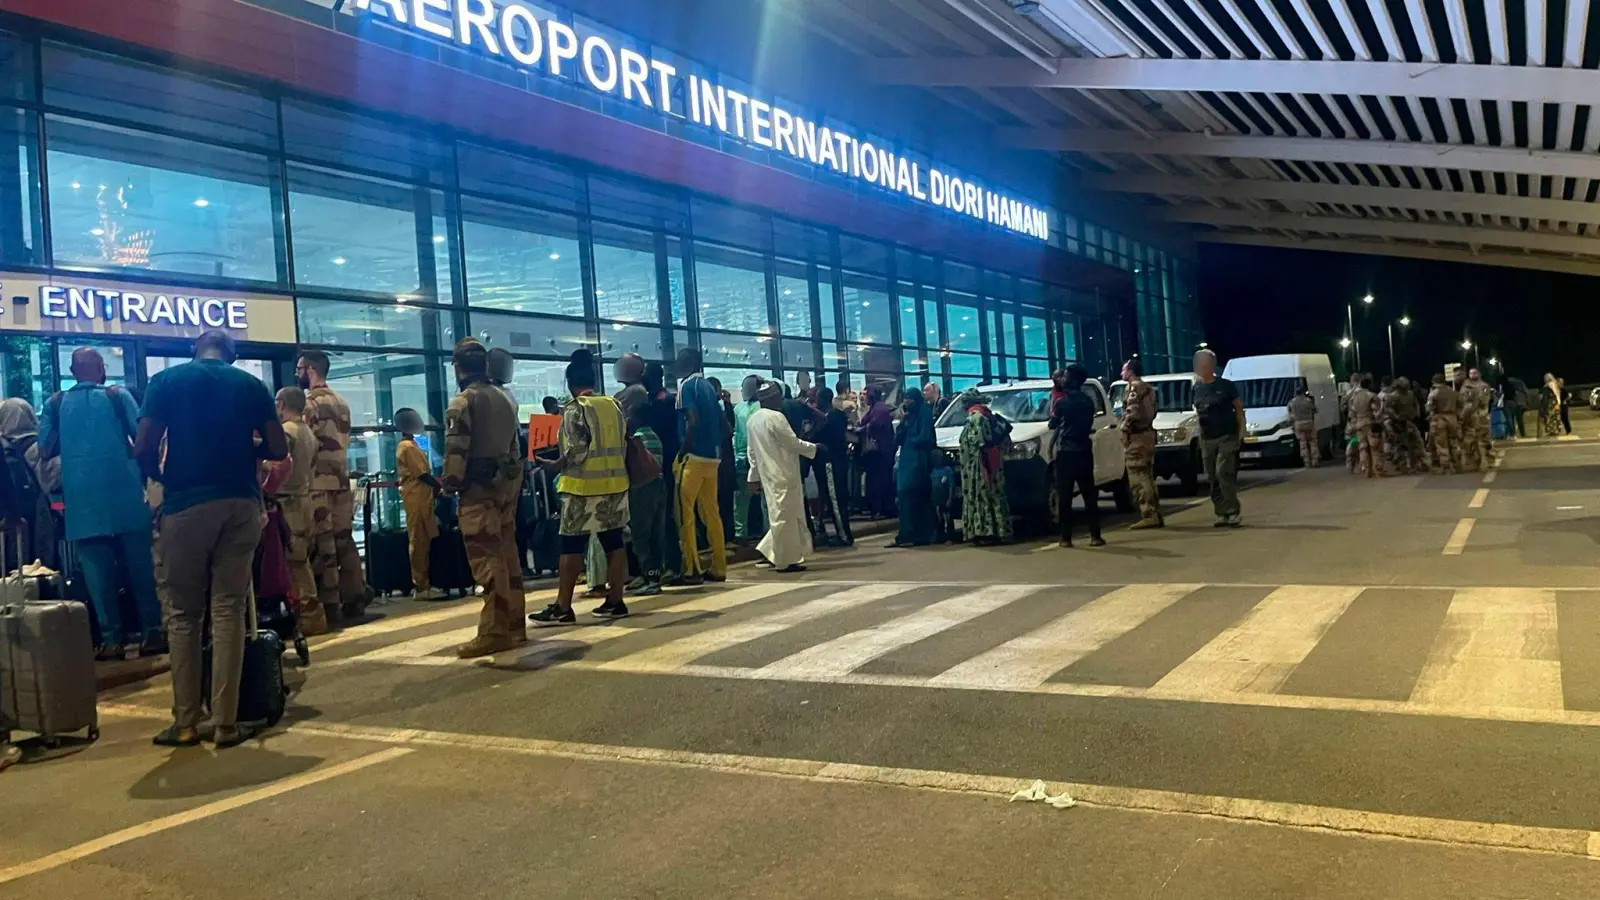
x,y
302,650
94,733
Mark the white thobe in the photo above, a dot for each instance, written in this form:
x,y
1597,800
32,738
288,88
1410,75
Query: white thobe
x,y
775,464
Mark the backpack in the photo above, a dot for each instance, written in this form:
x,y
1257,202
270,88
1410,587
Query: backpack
x,y
19,486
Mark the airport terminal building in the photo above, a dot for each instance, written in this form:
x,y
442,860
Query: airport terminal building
x,y
378,178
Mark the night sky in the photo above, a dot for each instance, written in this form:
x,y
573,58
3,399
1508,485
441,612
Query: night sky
x,y
1267,300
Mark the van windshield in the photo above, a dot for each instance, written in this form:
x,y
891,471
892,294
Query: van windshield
x,y
1257,393
1017,405
1171,396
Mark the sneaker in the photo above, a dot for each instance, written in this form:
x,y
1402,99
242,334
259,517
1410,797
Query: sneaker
x,y
1221,522
10,755
637,583
610,611
649,590
1233,521
154,645
796,567
173,736
485,645
553,615
231,736
1097,541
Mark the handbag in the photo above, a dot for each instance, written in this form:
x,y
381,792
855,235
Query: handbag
x,y
643,467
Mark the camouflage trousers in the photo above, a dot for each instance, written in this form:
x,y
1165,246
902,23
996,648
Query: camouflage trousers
x,y
299,516
1140,453
489,529
334,558
1359,456
1403,447
1474,434
1441,444
1305,433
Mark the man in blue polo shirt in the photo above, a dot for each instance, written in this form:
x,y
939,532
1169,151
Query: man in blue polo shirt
x,y
210,414
701,421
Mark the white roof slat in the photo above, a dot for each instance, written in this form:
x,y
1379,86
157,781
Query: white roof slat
x,y
1456,14
1183,28
1309,20
1591,131
1216,28
1366,118
1352,31
1577,28
1565,114
1419,27
1281,27
1536,126
1494,14
1379,10
1535,35
1248,27
1133,10
1480,131
1127,35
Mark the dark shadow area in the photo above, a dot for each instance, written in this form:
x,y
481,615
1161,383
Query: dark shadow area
x,y
1587,526
1563,478
1134,551
197,771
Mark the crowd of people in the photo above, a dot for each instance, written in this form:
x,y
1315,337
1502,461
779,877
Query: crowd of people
x,y
1395,428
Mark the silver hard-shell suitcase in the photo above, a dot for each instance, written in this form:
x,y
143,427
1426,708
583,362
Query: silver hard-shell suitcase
x,y
47,677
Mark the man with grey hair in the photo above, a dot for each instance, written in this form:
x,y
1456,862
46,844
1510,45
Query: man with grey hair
x,y
1221,415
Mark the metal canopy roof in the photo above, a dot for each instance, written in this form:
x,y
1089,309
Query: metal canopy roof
x,y
1458,130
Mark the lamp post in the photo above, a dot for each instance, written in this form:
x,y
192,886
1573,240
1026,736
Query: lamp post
x,y
1404,322
1468,345
1350,325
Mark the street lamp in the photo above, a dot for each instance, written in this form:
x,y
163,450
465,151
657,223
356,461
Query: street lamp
x,y
1350,326
1367,299
1404,322
1344,343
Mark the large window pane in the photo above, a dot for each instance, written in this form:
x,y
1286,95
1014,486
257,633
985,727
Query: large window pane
x,y
114,354
387,325
377,384
731,287
906,302
738,350
16,68
794,299
962,313
799,353
966,364
625,274
827,321
348,141
532,334
19,190
535,379
646,340
677,285
353,233
125,200
930,322
522,259
1035,339
866,308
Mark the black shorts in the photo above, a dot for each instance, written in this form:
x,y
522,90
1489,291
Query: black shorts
x,y
578,544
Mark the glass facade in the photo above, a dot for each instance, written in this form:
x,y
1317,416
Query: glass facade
x,y
395,239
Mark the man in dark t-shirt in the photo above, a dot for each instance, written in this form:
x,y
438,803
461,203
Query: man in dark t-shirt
x,y
1221,428
210,415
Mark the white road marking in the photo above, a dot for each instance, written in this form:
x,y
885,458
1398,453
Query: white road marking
x,y
671,655
1568,437
1478,498
1260,652
205,811
1458,538
851,651
1350,822
1035,656
420,651
1567,508
1489,477
1497,647
391,624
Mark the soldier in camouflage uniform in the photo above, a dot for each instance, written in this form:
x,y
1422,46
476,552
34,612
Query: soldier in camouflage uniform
x,y
482,464
1443,407
1303,414
340,584
1362,400
1404,442
1139,445
1476,449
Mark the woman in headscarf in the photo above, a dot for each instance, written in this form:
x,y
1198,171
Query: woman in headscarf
x,y
19,434
914,474
877,454
1550,406
985,510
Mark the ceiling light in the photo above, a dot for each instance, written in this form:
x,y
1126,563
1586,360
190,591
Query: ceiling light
x,y
402,299
866,303
76,185
339,260
787,292
438,239
201,202
97,231
554,255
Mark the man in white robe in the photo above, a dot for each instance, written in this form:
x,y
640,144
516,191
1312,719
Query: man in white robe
x,y
775,454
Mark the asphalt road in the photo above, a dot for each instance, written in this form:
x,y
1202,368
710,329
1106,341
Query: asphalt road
x,y
1382,688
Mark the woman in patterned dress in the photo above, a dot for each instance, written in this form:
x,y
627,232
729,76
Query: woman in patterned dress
x,y
985,510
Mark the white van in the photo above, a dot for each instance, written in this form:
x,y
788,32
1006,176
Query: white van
x,y
1265,385
1177,427
1030,464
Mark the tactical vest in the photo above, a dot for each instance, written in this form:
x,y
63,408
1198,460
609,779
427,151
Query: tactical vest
x,y
492,454
605,469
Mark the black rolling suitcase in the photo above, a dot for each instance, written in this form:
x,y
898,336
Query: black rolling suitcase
x,y
263,694
448,568
388,547
545,536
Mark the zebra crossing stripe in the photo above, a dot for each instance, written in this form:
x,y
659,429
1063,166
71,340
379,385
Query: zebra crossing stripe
x,y
420,651
851,651
671,655
1259,652
1498,647
1029,660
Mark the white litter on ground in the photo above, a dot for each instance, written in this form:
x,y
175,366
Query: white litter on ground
x,y
1039,791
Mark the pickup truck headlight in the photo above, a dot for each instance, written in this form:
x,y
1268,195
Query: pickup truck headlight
x,y
1024,449
1179,435
1268,429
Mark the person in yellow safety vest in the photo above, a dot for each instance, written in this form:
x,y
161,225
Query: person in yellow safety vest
x,y
593,483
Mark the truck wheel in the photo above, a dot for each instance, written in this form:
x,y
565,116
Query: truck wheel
x,y
1122,493
1191,475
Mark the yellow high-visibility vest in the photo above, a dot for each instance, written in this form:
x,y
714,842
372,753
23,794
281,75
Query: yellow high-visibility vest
x,y
605,469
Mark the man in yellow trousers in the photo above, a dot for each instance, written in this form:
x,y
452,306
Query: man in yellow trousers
x,y
418,488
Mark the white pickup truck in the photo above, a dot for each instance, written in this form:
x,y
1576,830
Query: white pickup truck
x,y
1177,427
1030,472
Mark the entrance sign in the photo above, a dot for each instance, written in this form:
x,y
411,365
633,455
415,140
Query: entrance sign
x,y
129,305
74,304
531,39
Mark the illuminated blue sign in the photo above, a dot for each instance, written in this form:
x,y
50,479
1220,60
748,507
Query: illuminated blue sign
x,y
530,39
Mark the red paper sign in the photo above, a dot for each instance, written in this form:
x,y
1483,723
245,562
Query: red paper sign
x,y
543,432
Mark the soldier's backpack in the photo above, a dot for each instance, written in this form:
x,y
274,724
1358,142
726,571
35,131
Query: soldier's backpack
x,y
19,487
